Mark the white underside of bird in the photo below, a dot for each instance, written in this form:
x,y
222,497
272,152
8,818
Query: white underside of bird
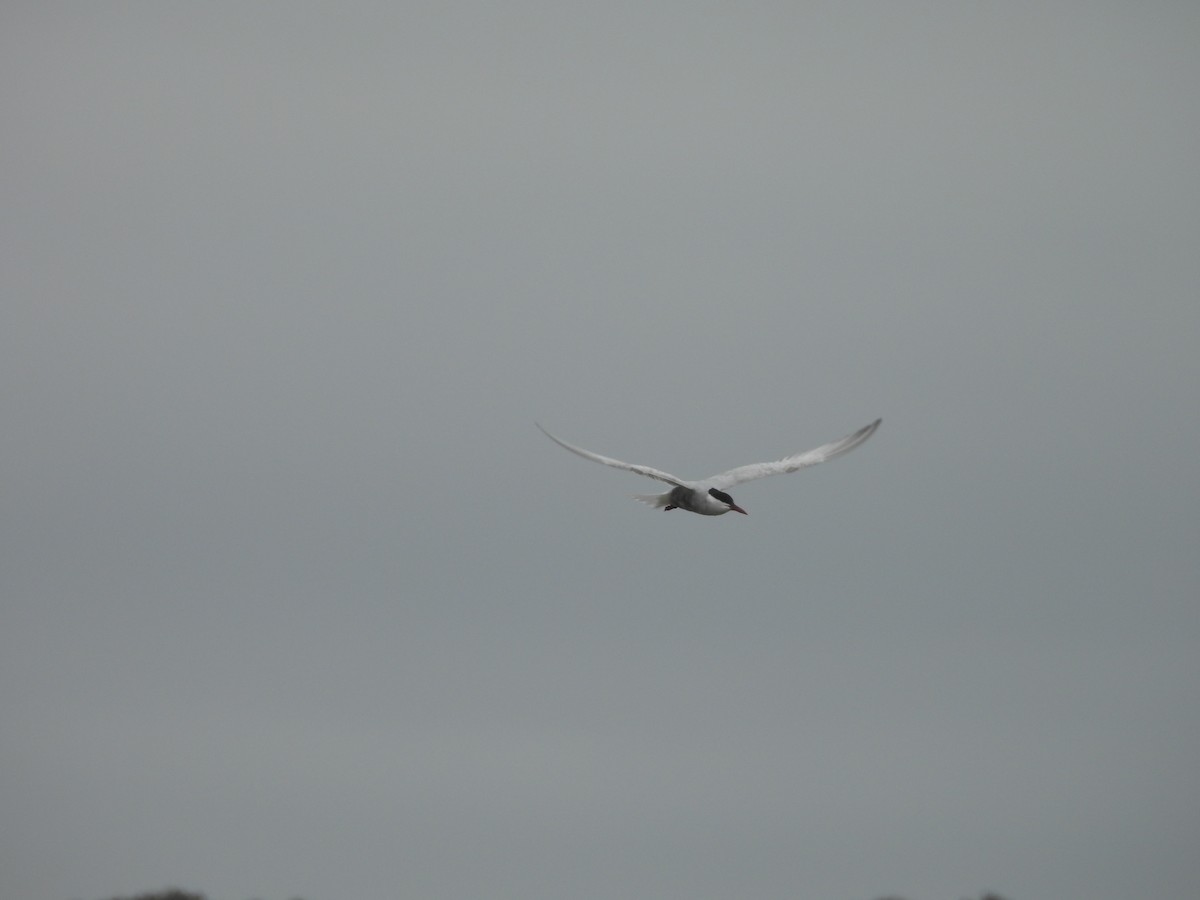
x,y
709,496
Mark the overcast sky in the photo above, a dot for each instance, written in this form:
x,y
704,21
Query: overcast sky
x,y
297,601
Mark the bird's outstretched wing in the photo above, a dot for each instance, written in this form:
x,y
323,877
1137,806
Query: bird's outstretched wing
x,y
794,462
615,463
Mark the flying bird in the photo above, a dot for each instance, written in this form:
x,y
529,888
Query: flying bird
x,y
708,496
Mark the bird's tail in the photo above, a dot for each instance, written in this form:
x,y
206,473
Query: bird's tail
x,y
658,501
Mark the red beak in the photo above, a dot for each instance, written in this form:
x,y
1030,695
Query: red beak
x,y
738,509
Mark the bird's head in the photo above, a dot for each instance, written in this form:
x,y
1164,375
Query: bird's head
x,y
727,500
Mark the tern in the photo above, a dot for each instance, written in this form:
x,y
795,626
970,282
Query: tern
x,y
708,496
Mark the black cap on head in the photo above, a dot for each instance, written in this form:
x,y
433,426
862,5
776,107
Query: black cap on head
x,y
721,495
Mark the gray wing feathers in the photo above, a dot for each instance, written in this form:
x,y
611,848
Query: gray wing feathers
x,y
615,463
797,461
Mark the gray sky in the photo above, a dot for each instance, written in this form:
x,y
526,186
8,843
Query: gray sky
x,y
297,601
